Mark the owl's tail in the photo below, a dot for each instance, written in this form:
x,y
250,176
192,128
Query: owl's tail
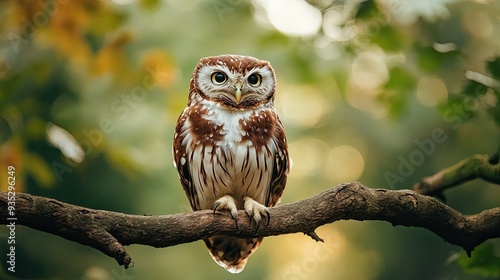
x,y
230,252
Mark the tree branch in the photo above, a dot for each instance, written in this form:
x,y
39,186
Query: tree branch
x,y
477,166
109,231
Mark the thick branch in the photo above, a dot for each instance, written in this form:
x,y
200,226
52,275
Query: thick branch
x,y
477,166
110,231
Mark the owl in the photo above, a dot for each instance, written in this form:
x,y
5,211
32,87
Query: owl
x,y
230,148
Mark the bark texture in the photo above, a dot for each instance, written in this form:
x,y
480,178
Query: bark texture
x,y
109,231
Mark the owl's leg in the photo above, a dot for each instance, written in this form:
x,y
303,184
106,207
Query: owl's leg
x,y
255,211
227,202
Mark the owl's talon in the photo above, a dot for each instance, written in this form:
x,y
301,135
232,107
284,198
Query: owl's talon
x,y
235,218
227,202
216,205
255,212
250,214
257,223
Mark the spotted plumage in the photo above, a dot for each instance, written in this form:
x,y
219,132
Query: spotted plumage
x,y
230,147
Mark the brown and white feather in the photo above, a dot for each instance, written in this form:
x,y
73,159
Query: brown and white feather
x,y
223,146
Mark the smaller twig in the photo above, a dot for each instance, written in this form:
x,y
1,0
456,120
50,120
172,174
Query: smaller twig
x,y
476,166
314,236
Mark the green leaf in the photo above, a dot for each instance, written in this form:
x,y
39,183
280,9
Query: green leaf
x,y
397,89
494,111
493,66
367,9
400,79
485,260
473,88
39,169
388,38
5,130
149,4
455,108
431,60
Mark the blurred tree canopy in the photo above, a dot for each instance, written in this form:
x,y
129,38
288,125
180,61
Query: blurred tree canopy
x,y
90,91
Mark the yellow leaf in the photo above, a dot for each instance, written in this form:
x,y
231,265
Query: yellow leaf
x,y
111,58
160,66
39,169
10,155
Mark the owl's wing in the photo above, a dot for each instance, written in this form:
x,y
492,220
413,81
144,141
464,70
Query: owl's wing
x,y
182,163
282,164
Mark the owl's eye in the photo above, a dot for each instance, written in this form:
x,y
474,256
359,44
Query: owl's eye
x,y
255,80
218,78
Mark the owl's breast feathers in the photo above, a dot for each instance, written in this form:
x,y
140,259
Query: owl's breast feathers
x,y
241,153
220,151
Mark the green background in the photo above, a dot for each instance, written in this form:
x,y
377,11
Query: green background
x,y
362,89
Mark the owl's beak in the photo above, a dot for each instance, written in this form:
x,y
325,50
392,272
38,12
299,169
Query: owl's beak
x,y
237,94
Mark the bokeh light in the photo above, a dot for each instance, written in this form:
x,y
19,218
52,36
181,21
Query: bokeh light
x,y
293,17
334,25
431,91
304,258
302,105
344,163
478,24
407,12
307,154
369,71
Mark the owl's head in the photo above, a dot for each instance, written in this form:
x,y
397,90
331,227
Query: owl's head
x,y
235,81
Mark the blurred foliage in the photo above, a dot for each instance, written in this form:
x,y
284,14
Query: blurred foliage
x,y
90,91
487,262
479,93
